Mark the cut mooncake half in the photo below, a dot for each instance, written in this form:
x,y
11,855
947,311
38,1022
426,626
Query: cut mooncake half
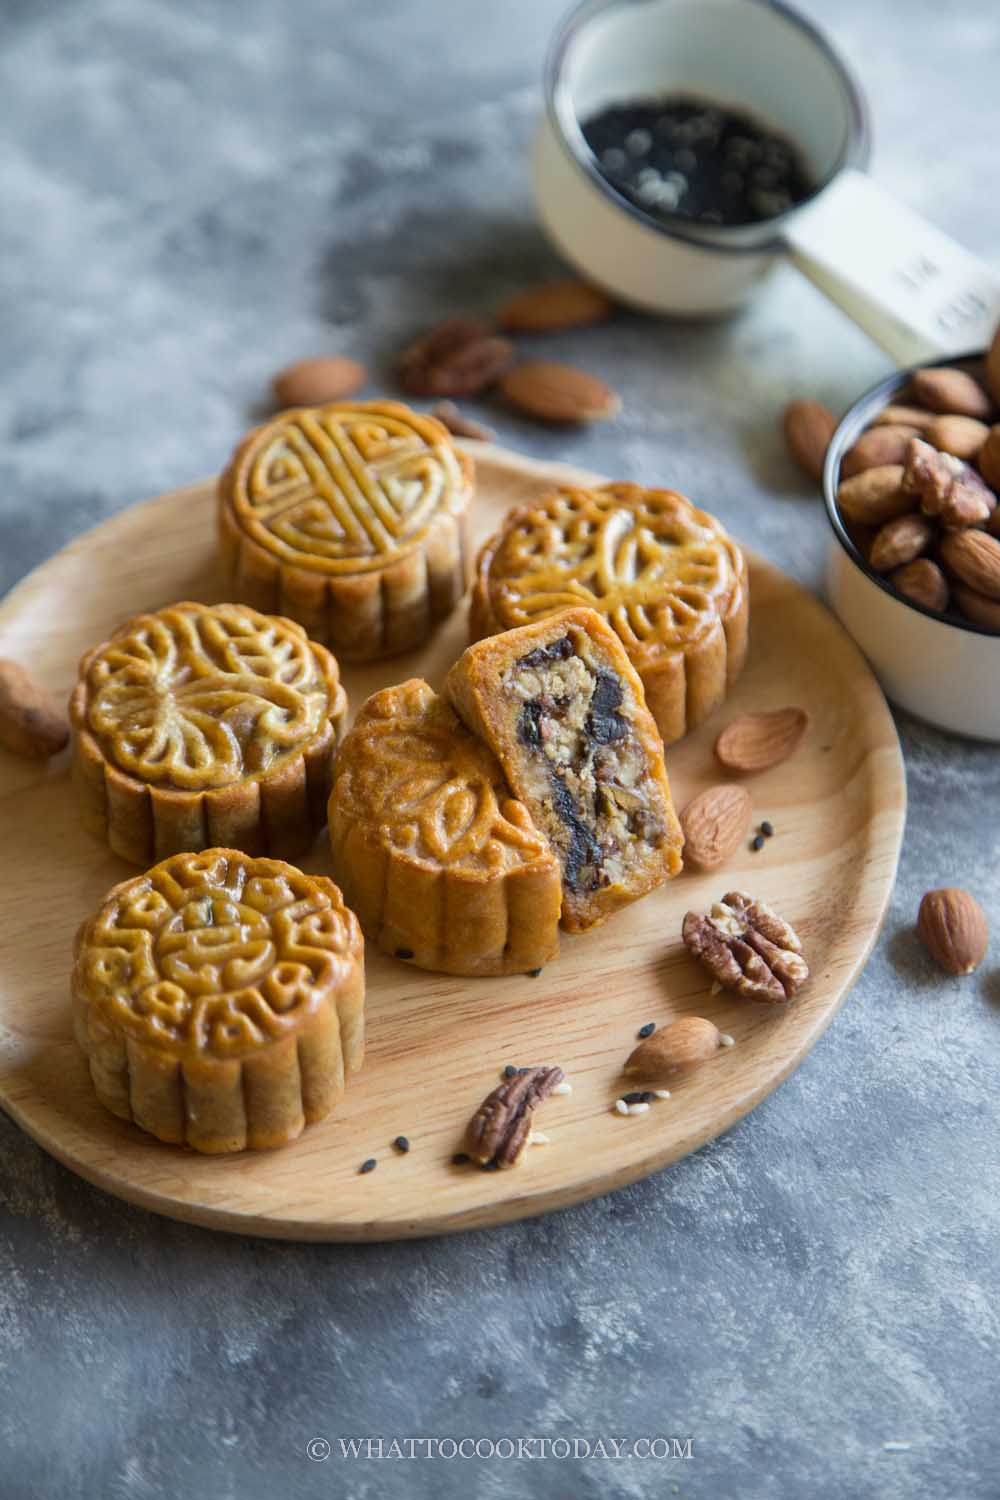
x,y
563,709
443,867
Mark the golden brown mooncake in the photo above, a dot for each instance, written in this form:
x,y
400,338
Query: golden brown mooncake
x,y
219,1000
206,725
442,865
351,519
562,707
666,576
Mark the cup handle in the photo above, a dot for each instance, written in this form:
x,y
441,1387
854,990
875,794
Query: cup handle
x,y
912,289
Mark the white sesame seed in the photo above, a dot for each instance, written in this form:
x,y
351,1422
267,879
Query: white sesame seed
x,y
539,1138
637,1109
716,987
727,1040
563,1088
662,1093
621,1107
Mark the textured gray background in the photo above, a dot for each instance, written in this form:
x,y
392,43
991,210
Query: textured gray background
x,y
190,196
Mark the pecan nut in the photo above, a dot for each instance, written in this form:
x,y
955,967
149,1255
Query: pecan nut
x,y
456,358
499,1130
748,948
948,487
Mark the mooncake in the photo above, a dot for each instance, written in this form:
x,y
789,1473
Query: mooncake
x,y
351,519
562,707
219,1000
204,725
666,576
442,865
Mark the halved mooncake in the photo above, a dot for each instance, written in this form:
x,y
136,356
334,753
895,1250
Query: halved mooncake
x,y
562,707
666,576
219,1000
349,518
206,725
442,865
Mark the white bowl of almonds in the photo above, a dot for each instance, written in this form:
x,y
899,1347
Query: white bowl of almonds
x,y
911,479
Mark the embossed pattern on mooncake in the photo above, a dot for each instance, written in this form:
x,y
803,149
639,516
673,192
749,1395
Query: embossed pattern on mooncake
x,y
664,575
433,852
219,999
351,519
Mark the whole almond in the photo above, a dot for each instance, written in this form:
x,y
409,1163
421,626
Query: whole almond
x,y
962,436
551,392
974,558
951,391
875,496
922,582
954,929
900,541
755,742
904,416
312,382
32,723
678,1048
876,447
714,824
551,308
989,458
977,608
808,427
993,368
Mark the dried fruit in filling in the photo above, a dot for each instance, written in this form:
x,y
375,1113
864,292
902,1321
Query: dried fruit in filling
x,y
563,709
747,948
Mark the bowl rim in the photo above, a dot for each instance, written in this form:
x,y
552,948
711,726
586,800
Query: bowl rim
x,y
849,428
855,152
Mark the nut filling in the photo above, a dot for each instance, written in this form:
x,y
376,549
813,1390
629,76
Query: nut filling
x,y
588,765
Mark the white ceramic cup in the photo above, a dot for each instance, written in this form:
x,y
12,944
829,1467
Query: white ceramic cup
x,y
918,293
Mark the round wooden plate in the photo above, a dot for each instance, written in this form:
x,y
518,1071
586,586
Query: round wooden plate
x,y
436,1043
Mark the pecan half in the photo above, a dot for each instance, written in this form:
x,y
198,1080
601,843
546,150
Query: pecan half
x,y
748,948
498,1132
457,358
948,488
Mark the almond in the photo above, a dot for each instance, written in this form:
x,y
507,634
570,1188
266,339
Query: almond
x,y
974,558
876,447
312,382
755,742
962,436
922,582
904,416
954,929
448,414
977,608
32,723
875,496
993,368
560,304
552,392
678,1048
808,427
989,459
714,824
900,541
951,391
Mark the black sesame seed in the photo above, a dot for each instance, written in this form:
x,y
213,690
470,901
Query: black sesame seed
x,y
510,1071
647,1030
460,1158
404,952
368,1166
767,829
635,1097
647,1096
757,843
491,1166
533,973
401,1144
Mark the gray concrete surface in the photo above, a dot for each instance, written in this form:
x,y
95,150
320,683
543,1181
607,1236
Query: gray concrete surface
x,y
190,196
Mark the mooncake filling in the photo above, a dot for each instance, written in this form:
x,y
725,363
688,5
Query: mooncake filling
x,y
585,766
